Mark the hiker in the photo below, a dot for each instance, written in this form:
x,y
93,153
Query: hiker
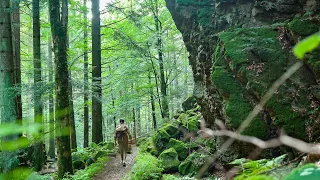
x,y
121,137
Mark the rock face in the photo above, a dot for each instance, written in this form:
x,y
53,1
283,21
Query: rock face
x,y
238,48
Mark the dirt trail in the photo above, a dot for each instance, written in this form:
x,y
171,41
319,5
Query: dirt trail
x,y
113,169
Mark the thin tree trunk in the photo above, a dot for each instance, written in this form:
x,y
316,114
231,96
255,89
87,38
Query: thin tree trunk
x,y
153,107
38,150
86,79
97,136
62,82
51,152
7,80
134,124
15,26
138,121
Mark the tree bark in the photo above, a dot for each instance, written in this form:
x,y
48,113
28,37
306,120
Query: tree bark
x,y
97,136
62,82
86,79
51,152
38,150
7,74
153,107
163,82
15,25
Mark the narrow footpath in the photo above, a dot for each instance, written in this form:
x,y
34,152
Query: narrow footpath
x,y
114,170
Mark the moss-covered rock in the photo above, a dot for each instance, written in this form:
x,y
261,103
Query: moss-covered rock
x,y
162,136
189,103
169,160
192,164
246,64
306,172
190,120
180,147
304,26
207,143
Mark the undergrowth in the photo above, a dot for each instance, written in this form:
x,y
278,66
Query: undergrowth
x,y
146,167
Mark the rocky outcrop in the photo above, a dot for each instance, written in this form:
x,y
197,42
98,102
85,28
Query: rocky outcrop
x,y
238,49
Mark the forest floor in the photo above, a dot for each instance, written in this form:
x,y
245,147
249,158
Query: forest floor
x,y
114,169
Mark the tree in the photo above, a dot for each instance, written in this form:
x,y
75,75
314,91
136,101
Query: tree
x,y
59,38
7,80
86,79
97,135
38,151
51,152
17,57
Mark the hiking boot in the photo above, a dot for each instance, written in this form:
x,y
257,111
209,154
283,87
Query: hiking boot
x,y
124,164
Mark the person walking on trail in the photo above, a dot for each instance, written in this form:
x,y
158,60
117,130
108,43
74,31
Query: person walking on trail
x,y
121,137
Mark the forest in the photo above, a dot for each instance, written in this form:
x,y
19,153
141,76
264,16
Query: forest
x,y
207,89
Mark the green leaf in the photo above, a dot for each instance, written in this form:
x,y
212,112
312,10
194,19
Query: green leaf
x,y
307,45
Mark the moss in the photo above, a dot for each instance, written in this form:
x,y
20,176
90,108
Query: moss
x,y
208,143
192,164
189,103
205,15
306,172
193,2
149,147
169,160
304,26
289,120
161,139
239,42
260,177
180,147
237,107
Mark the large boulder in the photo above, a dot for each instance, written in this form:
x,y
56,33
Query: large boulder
x,y
162,136
192,164
169,160
180,147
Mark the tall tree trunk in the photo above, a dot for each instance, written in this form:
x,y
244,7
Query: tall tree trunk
x,y
51,152
64,20
7,98
97,136
153,107
163,82
62,82
15,27
38,150
86,79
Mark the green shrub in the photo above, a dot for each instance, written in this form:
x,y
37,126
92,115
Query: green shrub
x,y
90,171
147,167
169,177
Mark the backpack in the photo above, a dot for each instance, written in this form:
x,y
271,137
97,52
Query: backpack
x,y
119,134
